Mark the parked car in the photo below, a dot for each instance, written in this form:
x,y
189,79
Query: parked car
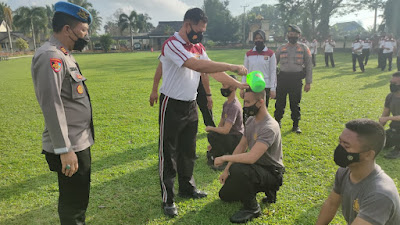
x,y
137,46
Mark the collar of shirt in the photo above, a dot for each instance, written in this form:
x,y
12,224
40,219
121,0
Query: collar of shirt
x,y
264,50
180,39
58,44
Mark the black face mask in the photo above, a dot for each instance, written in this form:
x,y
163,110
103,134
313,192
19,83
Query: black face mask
x,y
225,92
194,37
394,88
259,46
81,43
251,110
293,40
343,158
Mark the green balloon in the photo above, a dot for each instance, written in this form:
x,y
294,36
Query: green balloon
x,y
256,81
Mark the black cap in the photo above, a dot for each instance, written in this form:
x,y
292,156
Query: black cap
x,y
260,32
293,28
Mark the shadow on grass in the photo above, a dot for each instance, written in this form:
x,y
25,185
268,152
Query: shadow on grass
x,y
35,183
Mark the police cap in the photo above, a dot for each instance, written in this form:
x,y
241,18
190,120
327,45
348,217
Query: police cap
x,y
76,11
293,28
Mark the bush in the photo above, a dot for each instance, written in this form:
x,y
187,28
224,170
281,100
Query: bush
x,y
22,45
106,41
210,44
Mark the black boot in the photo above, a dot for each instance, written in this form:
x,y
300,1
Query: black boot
x,y
251,209
296,127
170,209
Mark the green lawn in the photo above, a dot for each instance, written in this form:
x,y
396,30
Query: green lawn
x,y
125,181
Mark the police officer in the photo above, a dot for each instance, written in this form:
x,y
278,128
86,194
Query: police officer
x,y
64,99
356,51
295,64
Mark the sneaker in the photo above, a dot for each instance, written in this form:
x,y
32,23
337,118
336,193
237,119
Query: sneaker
x,y
296,129
170,209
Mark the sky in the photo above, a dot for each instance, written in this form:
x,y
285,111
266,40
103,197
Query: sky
x,y
174,10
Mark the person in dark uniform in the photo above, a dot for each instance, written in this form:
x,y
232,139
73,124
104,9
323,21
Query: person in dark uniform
x,y
64,99
183,59
256,164
381,42
295,64
366,51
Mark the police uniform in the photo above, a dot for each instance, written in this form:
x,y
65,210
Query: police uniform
x,y
64,99
357,54
202,102
295,64
314,50
380,51
328,47
388,47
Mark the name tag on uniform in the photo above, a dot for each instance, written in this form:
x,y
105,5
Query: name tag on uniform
x,y
266,57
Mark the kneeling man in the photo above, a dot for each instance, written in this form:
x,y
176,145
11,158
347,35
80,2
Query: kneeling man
x,y
224,138
367,194
260,169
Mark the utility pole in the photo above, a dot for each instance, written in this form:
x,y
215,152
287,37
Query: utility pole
x,y
244,23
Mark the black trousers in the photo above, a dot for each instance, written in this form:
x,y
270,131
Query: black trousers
x,y
380,58
245,181
314,59
398,63
222,144
387,57
288,84
74,191
178,122
330,56
365,53
358,58
392,138
202,102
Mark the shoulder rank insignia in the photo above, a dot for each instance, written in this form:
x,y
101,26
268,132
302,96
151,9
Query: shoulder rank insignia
x,y
64,50
56,64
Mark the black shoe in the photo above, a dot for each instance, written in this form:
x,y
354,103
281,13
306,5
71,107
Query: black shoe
x,y
170,209
195,194
270,197
296,129
245,215
394,154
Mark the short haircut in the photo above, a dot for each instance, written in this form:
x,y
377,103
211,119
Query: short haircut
x,y
61,19
370,133
195,15
397,74
257,95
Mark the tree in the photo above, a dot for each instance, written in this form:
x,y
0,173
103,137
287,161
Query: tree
x,y
143,24
221,25
392,17
289,10
50,13
268,12
32,20
105,42
7,17
126,21
22,45
96,19
372,4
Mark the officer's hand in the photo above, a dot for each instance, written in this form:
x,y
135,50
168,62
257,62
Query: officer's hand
x,y
219,161
243,86
307,87
242,93
70,159
208,128
239,69
272,95
223,176
209,102
153,98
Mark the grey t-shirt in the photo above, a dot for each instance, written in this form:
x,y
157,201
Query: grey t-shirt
x,y
232,113
374,199
393,103
268,132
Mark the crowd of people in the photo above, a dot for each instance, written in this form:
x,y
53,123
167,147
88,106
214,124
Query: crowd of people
x,y
246,144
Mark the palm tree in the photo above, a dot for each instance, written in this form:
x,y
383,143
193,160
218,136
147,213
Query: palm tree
x,y
32,19
96,22
143,24
7,14
126,21
83,3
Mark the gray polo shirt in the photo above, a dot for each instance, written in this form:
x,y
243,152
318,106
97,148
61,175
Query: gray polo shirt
x,y
374,199
393,103
232,112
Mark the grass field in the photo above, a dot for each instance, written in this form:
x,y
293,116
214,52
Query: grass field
x,y
125,181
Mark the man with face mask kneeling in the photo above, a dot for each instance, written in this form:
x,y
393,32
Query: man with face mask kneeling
x,y
256,163
224,138
367,194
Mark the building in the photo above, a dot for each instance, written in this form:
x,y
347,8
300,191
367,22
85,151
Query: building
x,y
4,40
162,32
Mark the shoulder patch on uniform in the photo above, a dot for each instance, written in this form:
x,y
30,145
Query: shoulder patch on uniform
x,y
56,64
64,50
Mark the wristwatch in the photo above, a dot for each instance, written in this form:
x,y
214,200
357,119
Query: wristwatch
x,y
208,94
